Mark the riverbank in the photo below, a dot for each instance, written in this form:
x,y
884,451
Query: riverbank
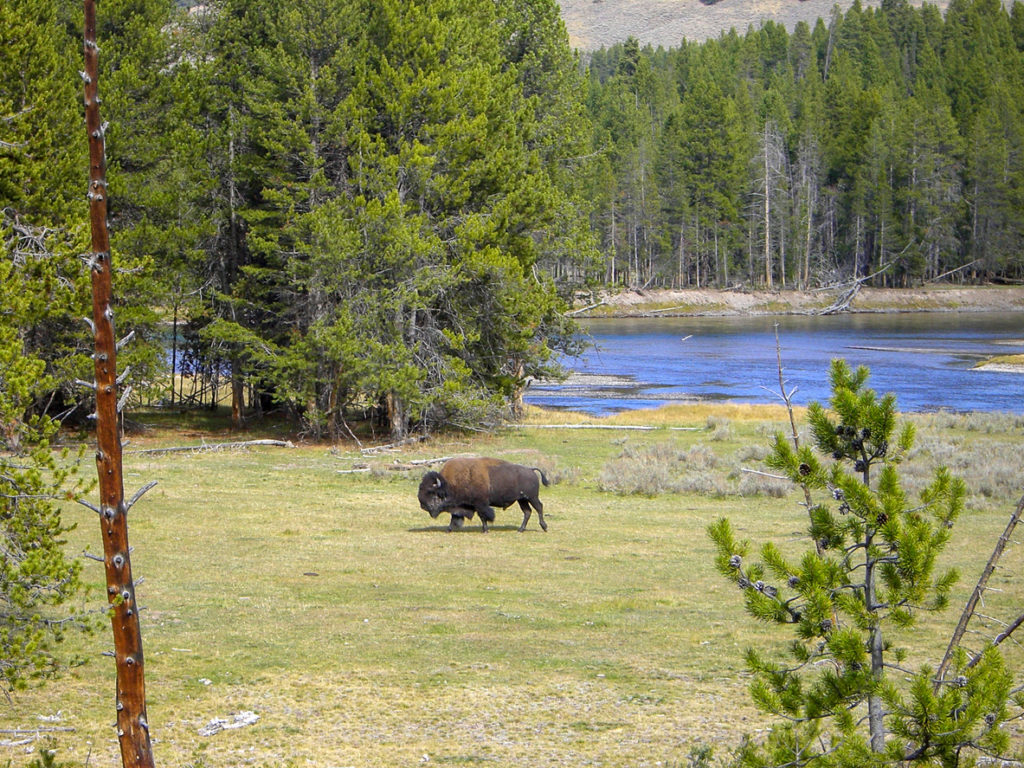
x,y
707,302
700,302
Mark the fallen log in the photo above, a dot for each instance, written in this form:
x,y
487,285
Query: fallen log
x,y
217,446
634,427
392,446
584,309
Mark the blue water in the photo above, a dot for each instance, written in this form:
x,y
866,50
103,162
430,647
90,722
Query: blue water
x,y
925,359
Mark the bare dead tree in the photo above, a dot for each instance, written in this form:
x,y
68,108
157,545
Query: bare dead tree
x,y
132,723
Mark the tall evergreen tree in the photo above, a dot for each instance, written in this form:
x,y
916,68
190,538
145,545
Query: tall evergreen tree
x,y
713,148
151,222
994,178
41,235
394,174
39,183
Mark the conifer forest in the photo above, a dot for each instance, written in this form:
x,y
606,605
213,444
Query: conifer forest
x,y
382,210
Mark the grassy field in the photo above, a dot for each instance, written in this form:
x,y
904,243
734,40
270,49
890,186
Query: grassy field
x,y
360,633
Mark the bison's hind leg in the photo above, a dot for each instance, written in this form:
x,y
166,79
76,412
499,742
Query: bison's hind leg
x,y
540,513
525,506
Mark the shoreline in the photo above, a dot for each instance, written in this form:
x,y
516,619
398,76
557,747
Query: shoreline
x,y
690,302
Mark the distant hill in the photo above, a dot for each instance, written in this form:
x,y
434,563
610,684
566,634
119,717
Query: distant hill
x,y
595,23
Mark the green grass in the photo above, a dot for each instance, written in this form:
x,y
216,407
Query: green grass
x,y
1016,360
363,634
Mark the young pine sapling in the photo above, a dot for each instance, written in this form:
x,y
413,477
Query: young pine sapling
x,y
872,567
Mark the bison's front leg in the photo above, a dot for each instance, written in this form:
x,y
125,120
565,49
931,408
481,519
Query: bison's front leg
x,y
486,513
456,523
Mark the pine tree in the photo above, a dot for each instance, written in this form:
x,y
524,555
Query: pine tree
x,y
149,107
37,579
391,175
40,282
994,174
39,182
872,567
714,149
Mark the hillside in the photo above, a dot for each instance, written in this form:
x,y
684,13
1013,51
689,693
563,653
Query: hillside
x,y
595,23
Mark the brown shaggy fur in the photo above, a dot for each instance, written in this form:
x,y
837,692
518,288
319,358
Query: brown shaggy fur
x,y
465,487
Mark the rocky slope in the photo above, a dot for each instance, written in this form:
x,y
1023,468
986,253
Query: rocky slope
x,y
596,23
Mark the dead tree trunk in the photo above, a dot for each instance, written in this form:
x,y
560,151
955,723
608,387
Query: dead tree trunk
x,y
132,723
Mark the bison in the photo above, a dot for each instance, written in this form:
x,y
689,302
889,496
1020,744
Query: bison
x,y
467,486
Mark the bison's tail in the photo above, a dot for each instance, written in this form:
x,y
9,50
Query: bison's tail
x,y
543,477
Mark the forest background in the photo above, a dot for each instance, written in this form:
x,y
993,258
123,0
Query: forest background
x,y
379,212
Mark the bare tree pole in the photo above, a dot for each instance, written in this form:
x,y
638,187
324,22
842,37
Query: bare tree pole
x,y
132,723
787,398
979,590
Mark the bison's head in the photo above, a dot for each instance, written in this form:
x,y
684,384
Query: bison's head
x,y
433,493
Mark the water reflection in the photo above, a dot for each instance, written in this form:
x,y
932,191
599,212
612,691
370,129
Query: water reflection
x,y
926,359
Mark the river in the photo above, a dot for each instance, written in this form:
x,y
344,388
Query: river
x,y
925,359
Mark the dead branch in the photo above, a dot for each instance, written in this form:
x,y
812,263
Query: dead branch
x,y
585,309
420,462
979,589
951,271
762,474
1004,635
392,446
40,729
139,494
